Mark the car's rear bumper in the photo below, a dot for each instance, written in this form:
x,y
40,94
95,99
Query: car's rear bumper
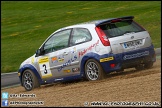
x,y
129,59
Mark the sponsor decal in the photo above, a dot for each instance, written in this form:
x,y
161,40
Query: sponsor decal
x,y
73,50
75,69
42,60
60,59
67,63
32,59
47,75
59,79
126,57
54,59
80,40
67,71
81,53
106,59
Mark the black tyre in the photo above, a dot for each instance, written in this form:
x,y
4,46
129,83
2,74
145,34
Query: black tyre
x,y
139,67
29,80
93,70
148,65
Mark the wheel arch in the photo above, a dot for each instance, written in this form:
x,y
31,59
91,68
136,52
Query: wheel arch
x,y
86,58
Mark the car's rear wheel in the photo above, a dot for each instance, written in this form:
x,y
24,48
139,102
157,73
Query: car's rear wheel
x,y
93,70
140,67
148,65
29,80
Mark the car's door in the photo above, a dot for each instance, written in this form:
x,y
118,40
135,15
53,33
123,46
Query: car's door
x,y
71,64
80,38
55,56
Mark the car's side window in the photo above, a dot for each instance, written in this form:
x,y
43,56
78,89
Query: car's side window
x,y
80,35
57,41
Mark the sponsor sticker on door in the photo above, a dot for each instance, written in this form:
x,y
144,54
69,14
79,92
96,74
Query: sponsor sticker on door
x,y
75,69
66,71
54,59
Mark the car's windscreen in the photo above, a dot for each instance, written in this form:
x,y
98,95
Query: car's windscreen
x,y
120,28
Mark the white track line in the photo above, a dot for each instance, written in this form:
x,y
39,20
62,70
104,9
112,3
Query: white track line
x,y
8,73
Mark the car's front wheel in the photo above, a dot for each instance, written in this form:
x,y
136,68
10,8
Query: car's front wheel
x,y
29,80
93,70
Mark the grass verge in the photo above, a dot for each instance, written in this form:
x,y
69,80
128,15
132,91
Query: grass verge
x,y
26,24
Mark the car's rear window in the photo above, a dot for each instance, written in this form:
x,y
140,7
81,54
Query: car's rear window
x,y
120,28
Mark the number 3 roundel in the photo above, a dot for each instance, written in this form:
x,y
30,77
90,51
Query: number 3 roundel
x,y
45,67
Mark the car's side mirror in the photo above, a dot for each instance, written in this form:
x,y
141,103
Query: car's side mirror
x,y
38,52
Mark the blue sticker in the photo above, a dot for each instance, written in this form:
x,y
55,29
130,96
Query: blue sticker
x,y
67,63
131,56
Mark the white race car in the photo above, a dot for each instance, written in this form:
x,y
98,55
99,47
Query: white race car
x,y
89,50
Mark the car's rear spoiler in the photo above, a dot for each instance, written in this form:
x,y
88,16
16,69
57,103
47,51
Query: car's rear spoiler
x,y
113,20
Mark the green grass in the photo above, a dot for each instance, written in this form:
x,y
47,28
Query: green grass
x,y
26,24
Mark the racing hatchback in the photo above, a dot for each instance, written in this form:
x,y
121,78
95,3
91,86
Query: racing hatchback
x,y
89,50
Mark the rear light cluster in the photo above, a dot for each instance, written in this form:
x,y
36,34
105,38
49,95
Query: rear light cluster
x,y
102,36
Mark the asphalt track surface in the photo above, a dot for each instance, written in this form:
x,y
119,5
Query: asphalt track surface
x,y
11,79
